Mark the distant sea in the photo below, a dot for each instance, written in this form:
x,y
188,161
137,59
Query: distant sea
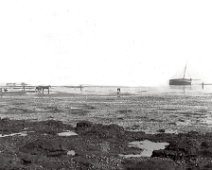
x,y
163,90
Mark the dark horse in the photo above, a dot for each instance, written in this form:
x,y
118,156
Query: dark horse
x,y
40,89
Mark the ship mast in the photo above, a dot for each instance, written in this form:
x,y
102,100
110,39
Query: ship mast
x,y
184,73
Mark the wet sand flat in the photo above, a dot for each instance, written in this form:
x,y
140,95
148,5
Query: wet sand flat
x,y
133,112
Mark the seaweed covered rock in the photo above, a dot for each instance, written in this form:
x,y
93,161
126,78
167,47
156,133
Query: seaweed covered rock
x,y
11,126
84,125
186,145
151,164
183,148
99,130
175,155
9,161
206,148
49,127
48,147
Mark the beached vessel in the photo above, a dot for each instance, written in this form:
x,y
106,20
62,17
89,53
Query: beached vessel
x,y
181,81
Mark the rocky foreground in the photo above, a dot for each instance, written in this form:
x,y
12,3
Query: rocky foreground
x,y
54,145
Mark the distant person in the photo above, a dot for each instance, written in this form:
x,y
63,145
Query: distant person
x,y
118,92
203,85
1,92
81,88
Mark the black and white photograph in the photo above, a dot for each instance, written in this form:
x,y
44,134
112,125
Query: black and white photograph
x,y
105,85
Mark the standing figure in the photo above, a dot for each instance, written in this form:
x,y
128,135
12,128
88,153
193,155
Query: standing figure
x,y
118,92
203,85
1,92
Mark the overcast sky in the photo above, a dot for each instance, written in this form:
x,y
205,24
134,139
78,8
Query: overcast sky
x,y
111,42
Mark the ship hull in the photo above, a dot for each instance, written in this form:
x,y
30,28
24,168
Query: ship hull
x,y
180,82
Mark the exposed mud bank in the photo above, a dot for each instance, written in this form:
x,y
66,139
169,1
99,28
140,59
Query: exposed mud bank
x,y
97,146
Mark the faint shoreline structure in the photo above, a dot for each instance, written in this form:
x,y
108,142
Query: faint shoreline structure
x,y
11,84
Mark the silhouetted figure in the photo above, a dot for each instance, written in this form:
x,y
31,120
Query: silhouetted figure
x,y
81,88
203,85
118,92
24,86
1,92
